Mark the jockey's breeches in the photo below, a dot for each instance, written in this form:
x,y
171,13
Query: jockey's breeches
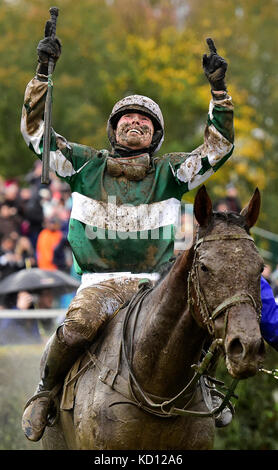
x,y
92,307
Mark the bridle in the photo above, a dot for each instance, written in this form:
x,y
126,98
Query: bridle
x,y
209,317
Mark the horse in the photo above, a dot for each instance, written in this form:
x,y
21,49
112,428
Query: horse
x,y
141,385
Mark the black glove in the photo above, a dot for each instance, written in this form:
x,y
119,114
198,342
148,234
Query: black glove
x,y
215,68
47,48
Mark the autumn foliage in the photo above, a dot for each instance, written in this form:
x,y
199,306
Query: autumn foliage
x,y
115,48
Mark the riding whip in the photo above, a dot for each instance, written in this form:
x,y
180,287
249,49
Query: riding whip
x,y
54,11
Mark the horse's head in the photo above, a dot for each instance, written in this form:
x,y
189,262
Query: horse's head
x,y
225,282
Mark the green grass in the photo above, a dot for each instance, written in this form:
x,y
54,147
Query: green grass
x,y
19,376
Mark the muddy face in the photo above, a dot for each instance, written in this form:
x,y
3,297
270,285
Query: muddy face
x,y
227,268
134,130
244,348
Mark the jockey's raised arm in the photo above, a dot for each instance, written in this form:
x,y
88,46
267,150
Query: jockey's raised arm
x,y
191,168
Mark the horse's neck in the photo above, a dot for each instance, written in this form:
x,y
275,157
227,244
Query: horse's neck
x,y
169,341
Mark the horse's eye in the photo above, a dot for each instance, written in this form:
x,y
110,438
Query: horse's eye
x,y
204,268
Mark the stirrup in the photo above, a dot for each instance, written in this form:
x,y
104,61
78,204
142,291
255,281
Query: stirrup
x,y
211,394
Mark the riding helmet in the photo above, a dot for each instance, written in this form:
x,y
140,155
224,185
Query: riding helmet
x,y
138,103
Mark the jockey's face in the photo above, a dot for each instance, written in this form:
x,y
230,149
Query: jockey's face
x,y
134,130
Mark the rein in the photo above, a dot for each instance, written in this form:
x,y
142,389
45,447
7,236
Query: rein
x,y
162,407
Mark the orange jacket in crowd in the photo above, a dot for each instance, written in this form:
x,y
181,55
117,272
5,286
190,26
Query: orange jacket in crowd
x,y
46,244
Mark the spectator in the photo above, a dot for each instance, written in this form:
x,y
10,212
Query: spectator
x,y
184,233
25,252
33,178
11,194
232,199
230,202
47,300
10,261
56,189
67,198
10,221
60,256
48,240
32,214
46,202
220,206
27,330
17,330
274,281
267,273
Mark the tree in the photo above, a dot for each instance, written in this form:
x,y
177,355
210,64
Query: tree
x,y
112,49
248,32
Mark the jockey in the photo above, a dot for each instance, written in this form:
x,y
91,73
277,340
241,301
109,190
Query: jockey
x,y
125,206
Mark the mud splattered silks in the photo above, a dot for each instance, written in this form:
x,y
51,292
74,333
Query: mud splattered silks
x,y
118,224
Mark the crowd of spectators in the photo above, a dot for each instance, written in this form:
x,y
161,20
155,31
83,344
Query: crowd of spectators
x,y
34,223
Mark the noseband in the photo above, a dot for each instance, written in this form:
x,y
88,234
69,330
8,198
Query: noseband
x,y
209,317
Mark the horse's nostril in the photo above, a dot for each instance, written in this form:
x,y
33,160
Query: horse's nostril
x,y
235,347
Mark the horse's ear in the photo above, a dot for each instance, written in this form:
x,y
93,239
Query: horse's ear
x,y
202,207
252,210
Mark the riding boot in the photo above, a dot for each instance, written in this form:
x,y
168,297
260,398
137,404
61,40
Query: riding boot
x,y
56,361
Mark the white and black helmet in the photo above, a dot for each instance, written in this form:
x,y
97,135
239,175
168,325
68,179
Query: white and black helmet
x,y
144,105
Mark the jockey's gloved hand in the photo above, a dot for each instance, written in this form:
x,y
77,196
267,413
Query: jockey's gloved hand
x,y
47,48
215,68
